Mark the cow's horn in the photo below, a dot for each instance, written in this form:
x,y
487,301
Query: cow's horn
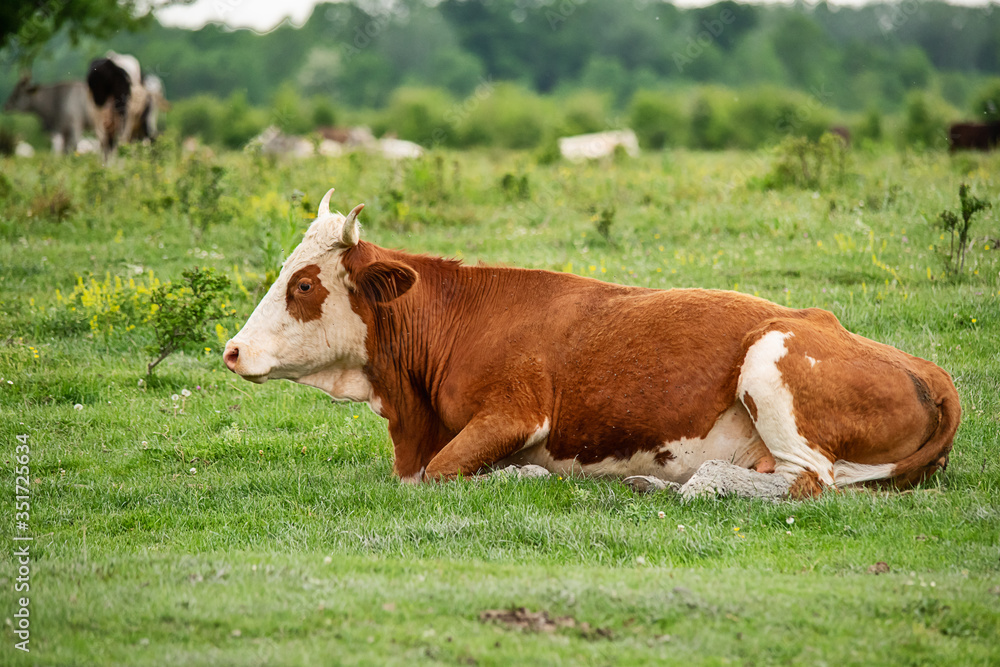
x,y
324,206
350,234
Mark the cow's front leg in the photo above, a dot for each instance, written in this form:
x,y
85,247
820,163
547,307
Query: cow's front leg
x,y
486,439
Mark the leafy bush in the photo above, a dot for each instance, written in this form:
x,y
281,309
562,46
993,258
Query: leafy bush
x,y
175,313
107,306
925,121
8,140
710,125
657,119
958,226
180,312
289,111
324,114
239,122
763,116
804,163
870,127
231,122
195,117
199,191
583,112
987,104
420,115
511,117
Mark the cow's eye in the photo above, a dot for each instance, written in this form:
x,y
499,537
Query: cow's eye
x,y
305,286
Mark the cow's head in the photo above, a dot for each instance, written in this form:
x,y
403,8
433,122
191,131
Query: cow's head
x,y
20,98
304,329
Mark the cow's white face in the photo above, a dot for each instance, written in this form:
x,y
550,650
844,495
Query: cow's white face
x,y
304,329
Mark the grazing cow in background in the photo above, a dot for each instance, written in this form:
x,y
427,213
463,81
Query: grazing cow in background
x,y
478,366
974,136
111,88
156,101
65,110
138,94
598,145
358,136
115,83
399,149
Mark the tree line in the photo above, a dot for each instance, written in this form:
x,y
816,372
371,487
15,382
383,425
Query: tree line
x,y
354,57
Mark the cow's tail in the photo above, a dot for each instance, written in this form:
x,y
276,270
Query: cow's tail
x,y
921,464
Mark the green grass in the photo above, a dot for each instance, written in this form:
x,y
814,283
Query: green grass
x,y
291,543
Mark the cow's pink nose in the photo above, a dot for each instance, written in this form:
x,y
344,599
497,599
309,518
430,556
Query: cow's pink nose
x,y
232,357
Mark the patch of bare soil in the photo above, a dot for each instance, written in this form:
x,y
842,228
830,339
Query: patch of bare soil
x,y
540,621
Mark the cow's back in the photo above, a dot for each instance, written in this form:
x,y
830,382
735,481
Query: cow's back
x,y
614,366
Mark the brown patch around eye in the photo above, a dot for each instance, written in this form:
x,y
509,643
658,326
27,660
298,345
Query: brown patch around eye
x,y
305,294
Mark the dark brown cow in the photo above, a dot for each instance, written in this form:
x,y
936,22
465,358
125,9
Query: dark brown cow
x,y
475,366
974,136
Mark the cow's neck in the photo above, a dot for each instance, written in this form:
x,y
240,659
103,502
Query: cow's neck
x,y
343,384
410,343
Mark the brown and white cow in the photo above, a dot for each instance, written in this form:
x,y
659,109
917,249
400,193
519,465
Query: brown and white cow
x,y
475,366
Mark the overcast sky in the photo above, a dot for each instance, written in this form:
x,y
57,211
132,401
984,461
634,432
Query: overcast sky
x,y
262,15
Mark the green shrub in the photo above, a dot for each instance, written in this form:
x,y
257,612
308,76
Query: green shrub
x,y
987,104
324,114
804,163
289,111
710,124
239,122
8,140
958,227
231,122
583,112
765,115
24,127
176,313
511,117
870,127
181,310
420,115
657,119
195,117
199,191
925,121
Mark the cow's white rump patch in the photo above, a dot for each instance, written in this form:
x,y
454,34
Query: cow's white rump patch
x,y
761,379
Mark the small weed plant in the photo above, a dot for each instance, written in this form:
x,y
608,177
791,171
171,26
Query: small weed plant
x,y
957,226
177,314
181,311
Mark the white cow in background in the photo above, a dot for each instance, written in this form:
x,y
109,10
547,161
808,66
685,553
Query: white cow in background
x,y
598,145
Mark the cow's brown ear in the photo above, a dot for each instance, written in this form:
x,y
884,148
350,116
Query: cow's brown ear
x,y
384,281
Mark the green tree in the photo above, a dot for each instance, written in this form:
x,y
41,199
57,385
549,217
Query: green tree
x,y
987,105
25,27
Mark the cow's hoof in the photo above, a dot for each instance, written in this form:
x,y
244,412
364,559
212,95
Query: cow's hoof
x,y
649,484
719,478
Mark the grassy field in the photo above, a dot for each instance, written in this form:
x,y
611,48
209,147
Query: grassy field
x,y
252,524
